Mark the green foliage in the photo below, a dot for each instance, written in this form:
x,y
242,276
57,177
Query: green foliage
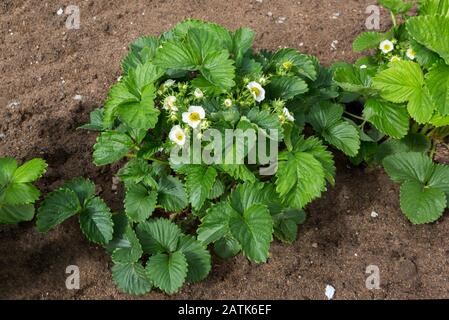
x,y
17,193
174,87
77,197
404,94
424,185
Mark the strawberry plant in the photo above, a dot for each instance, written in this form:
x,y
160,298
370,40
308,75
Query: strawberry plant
x,y
186,91
403,88
17,193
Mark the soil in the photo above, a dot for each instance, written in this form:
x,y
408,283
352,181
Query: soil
x,y
43,66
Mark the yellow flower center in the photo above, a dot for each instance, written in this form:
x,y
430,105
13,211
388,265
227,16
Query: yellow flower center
x,y
256,91
287,65
179,136
387,47
194,116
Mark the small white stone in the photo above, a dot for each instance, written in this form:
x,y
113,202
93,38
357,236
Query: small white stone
x,y
315,245
269,13
115,182
334,45
281,19
259,1
301,44
78,97
374,214
2,135
60,12
330,291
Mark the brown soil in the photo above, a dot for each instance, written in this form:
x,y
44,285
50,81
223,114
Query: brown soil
x,y
43,66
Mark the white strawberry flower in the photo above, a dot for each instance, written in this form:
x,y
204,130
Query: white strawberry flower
x,y
395,59
411,54
363,66
288,115
386,46
257,91
198,94
177,135
228,103
169,104
194,116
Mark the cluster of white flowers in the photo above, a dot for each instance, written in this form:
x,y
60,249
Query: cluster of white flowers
x,y
193,117
388,46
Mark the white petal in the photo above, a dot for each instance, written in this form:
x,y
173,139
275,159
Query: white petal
x,y
199,110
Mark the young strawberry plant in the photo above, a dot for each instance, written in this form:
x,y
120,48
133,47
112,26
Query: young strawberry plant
x,y
17,193
190,122
403,88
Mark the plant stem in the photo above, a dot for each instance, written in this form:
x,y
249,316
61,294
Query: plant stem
x,y
354,116
433,150
156,160
393,18
130,155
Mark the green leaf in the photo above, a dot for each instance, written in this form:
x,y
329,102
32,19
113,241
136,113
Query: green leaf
x,y
7,168
353,79
399,82
368,40
215,224
437,80
171,194
219,70
84,188
242,41
146,74
422,204
157,236
167,272
140,115
396,6
131,278
409,166
96,121
199,182
139,202
111,146
433,7
302,64
141,51
30,171
421,106
12,214
217,190
96,221
286,224
20,193
432,32
138,170
300,179
390,119
344,137
200,51
286,87
254,231
326,119
197,256
439,121
239,172
57,207
118,94
227,247
127,247
413,142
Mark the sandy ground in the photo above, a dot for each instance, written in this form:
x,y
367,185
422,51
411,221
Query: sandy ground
x,y
43,66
